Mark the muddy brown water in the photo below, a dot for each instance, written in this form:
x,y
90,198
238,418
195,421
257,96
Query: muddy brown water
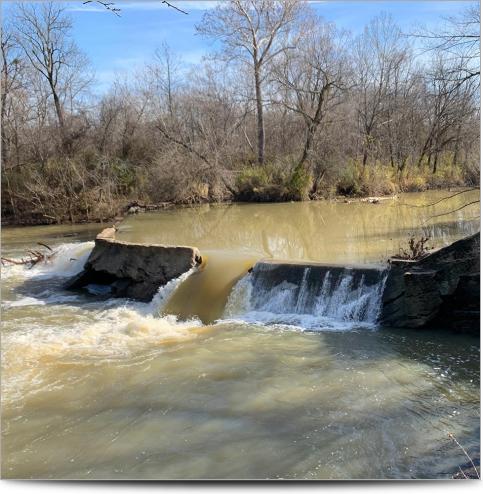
x,y
188,388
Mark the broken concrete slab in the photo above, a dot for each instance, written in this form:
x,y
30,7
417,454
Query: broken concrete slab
x,y
133,270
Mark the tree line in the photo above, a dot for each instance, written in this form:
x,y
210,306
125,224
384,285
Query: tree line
x,y
287,107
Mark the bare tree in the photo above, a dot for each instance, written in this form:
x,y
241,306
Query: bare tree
x,y
253,31
293,92
458,39
378,52
165,73
43,33
314,77
11,69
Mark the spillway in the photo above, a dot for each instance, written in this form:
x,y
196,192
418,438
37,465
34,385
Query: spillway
x,y
310,295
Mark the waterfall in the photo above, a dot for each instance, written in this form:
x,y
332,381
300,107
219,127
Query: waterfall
x,y
310,296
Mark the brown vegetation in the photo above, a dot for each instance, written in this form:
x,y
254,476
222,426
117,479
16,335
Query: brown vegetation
x,y
289,108
417,249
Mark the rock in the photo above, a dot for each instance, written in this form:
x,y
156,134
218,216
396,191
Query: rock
x,y
461,311
440,289
133,270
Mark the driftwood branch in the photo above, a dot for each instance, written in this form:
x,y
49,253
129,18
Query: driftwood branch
x,y
45,245
35,256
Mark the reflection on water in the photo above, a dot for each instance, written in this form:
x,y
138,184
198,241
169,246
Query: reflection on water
x,y
319,231
96,389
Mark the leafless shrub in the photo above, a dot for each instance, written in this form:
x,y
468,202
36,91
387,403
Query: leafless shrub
x,y
417,249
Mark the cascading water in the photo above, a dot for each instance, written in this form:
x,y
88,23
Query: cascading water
x,y
313,297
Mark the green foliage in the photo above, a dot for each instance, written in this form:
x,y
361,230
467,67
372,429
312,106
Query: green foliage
x,y
273,182
371,180
124,176
299,184
260,176
349,182
262,184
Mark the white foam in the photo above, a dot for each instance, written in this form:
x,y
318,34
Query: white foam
x,y
41,299
115,328
110,328
23,302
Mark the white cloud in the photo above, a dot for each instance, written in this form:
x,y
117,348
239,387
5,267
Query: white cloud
x,y
86,8
196,4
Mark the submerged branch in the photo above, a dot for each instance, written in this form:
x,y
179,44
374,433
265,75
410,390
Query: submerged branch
x,y
453,210
440,200
450,435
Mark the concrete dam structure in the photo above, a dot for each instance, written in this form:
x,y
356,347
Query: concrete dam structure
x,y
124,269
440,288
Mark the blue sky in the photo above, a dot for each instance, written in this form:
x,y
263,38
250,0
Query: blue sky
x,y
117,45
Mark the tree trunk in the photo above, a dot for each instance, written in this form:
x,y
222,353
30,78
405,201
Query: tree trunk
x,y
456,147
2,125
260,125
435,162
308,144
10,195
60,118
313,125
426,147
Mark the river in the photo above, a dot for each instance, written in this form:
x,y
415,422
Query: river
x,y
198,384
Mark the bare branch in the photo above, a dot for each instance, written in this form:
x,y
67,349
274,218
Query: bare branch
x,y
440,200
108,5
452,211
174,7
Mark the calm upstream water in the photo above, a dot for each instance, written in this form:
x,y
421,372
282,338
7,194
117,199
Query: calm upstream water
x,y
208,382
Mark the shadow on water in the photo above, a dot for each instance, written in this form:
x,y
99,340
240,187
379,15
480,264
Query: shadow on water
x,y
50,291
252,402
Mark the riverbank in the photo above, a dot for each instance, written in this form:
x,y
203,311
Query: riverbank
x,y
136,206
